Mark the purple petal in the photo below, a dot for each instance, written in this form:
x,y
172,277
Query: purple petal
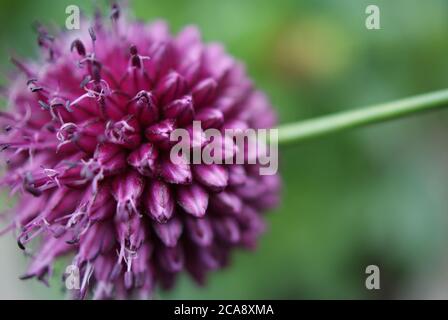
x,y
111,157
172,86
213,176
227,229
98,239
171,259
181,109
158,201
204,91
143,159
169,232
144,107
210,118
125,132
237,175
175,173
193,199
127,190
227,203
199,230
160,133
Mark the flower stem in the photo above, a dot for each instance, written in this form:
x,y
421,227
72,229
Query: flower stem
x,y
307,129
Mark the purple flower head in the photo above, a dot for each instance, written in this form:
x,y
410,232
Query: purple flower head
x,y
87,146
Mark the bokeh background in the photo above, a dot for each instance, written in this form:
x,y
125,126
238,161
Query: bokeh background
x,y
378,195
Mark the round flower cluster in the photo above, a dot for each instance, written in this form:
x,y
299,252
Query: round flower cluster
x,y
87,144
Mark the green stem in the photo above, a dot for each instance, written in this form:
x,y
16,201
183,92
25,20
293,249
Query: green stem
x,y
356,118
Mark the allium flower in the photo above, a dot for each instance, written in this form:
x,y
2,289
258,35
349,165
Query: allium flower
x,y
87,146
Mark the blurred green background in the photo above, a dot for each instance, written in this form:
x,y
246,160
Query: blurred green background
x,y
378,195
